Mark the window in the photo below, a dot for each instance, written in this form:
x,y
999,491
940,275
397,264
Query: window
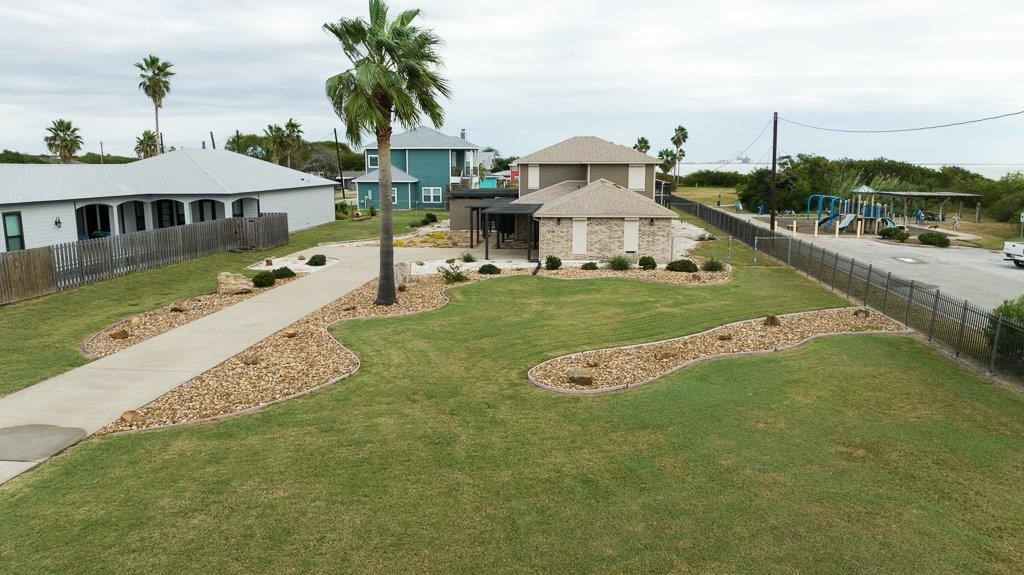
x,y
236,209
631,236
394,196
372,161
432,195
169,213
637,178
14,235
206,211
140,216
533,177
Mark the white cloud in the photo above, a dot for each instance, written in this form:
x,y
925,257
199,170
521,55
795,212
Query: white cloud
x,y
529,73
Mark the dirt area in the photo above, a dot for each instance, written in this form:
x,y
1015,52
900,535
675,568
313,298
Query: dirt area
x,y
621,367
435,239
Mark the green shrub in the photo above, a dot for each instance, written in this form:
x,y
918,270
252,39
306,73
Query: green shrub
x,y
936,239
647,263
263,279
468,257
894,233
589,266
453,273
552,262
373,211
341,207
489,270
620,263
283,272
430,218
682,266
1010,347
713,266
317,260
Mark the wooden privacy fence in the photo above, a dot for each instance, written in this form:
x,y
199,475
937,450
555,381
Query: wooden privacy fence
x,y
990,340
39,271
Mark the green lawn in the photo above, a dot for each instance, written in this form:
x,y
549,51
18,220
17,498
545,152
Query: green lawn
x,y
709,196
857,454
40,337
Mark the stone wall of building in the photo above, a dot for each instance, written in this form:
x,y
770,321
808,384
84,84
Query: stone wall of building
x,y
605,239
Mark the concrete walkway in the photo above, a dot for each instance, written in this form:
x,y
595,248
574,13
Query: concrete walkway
x,y
46,418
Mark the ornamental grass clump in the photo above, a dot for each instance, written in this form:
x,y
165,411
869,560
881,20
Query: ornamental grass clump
x,y
468,257
452,273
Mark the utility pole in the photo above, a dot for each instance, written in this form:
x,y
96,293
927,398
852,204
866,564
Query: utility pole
x,y
775,157
101,151
341,171
162,150
213,143
238,142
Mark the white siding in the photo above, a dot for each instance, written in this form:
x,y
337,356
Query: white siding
x,y
37,223
306,207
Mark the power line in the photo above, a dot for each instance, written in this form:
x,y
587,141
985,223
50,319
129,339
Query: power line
x,y
919,129
744,152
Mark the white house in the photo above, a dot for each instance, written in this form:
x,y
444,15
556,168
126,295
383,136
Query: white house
x,y
45,204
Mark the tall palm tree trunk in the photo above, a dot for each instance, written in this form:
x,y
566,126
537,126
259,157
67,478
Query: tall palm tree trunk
x,y
159,139
386,294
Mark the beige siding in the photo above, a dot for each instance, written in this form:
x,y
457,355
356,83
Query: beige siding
x,y
615,173
551,174
459,213
605,239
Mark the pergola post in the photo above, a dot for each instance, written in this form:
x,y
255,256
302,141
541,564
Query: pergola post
x,y
529,237
471,215
487,237
977,212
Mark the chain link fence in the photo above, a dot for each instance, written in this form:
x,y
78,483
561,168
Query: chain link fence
x,y
969,331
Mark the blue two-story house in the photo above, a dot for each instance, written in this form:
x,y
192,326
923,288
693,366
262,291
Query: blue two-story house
x,y
426,165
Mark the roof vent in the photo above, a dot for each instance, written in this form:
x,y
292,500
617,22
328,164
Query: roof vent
x,y
463,134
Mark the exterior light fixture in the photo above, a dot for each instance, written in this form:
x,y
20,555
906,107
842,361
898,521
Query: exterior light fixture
x,y
57,223
558,221
651,222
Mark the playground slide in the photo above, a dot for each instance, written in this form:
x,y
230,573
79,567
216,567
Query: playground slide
x,y
847,220
889,223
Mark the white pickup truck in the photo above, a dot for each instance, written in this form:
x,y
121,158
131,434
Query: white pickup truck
x,y
1014,252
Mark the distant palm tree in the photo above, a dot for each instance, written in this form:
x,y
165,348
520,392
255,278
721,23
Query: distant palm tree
x,y
394,77
146,144
155,82
63,140
642,145
668,159
293,139
678,139
276,142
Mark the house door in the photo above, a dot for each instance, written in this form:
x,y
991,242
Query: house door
x,y
579,236
631,236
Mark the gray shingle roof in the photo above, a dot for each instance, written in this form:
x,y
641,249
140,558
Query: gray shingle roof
x,y
181,172
545,195
422,137
397,177
587,150
603,199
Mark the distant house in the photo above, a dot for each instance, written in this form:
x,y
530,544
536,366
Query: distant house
x,y
45,204
588,159
431,164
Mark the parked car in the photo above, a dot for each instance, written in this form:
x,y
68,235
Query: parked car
x,y
1014,253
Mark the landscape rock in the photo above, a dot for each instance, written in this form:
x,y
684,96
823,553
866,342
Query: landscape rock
x,y
137,321
861,312
233,284
348,308
249,359
178,308
290,333
772,321
269,262
725,337
579,376
130,416
663,355
119,334
302,258
403,271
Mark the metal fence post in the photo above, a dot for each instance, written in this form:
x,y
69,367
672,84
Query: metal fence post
x,y
835,270
789,252
963,328
728,259
755,251
849,277
885,300
910,303
995,343
935,311
867,284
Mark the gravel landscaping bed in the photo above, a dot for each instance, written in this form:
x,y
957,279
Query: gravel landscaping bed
x,y
656,275
630,366
152,323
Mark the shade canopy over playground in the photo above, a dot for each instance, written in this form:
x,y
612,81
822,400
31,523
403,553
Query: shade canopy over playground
x,y
941,197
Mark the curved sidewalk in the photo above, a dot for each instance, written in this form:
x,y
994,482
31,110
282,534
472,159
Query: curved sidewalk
x,y
46,418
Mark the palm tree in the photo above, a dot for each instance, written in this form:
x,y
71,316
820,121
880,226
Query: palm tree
x,y
642,145
394,78
146,144
63,140
276,142
678,139
293,139
155,82
668,159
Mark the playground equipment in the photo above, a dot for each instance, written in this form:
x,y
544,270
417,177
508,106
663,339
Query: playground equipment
x,y
843,212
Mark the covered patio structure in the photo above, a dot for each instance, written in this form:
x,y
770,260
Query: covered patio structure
x,y
941,197
499,215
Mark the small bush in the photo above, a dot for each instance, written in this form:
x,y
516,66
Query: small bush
x,y
489,270
589,266
263,279
430,218
619,263
647,263
552,262
317,260
341,207
713,266
936,239
283,272
453,273
1010,346
894,233
682,266
373,211
468,257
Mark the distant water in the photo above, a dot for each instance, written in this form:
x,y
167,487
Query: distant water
x,y
993,171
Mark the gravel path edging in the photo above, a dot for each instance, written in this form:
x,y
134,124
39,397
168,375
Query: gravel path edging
x,y
531,374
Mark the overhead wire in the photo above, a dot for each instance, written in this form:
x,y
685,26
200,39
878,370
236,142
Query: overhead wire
x,y
898,130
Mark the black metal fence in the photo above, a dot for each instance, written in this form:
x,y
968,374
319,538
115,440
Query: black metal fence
x,y
969,331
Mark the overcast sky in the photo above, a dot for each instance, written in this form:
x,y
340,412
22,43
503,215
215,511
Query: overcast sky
x,y
529,73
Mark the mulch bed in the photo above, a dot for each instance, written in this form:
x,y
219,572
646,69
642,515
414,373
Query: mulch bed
x,y
622,367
